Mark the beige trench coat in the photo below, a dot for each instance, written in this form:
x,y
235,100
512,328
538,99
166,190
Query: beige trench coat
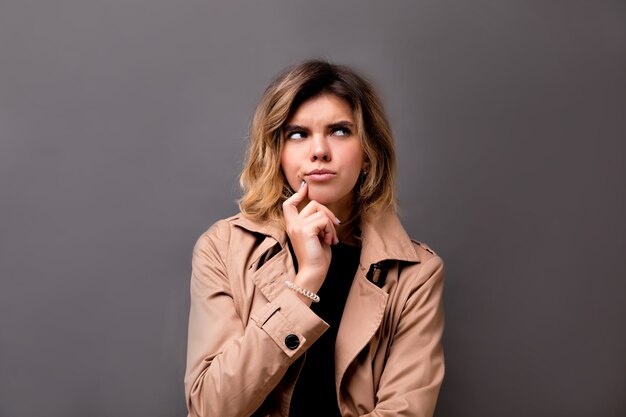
x,y
388,354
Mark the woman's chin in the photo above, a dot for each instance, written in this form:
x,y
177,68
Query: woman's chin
x,y
334,202
320,197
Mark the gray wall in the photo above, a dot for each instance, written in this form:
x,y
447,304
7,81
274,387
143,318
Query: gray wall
x,y
122,131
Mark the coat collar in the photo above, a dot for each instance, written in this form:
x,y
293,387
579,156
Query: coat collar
x,y
383,237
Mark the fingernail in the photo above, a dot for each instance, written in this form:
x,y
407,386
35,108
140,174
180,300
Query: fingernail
x,y
302,183
338,221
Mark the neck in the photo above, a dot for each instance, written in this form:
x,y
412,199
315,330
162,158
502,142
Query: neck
x,y
348,231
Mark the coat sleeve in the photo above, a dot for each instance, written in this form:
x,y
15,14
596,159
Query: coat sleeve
x,y
232,366
413,373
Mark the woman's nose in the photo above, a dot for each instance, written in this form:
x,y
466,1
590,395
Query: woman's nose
x,y
320,148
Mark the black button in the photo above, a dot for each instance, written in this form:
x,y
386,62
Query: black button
x,y
292,341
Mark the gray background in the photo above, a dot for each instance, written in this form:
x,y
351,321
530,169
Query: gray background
x,y
122,132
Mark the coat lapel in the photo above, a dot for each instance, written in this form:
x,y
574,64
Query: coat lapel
x,y
383,239
361,318
269,277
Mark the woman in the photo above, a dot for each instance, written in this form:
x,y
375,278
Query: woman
x,y
313,300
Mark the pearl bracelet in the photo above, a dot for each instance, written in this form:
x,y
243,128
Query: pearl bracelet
x,y
300,290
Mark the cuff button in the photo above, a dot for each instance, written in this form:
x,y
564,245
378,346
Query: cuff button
x,y
292,341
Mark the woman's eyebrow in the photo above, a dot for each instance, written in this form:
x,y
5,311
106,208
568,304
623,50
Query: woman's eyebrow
x,y
341,124
295,128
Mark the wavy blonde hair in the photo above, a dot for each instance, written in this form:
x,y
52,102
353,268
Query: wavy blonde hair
x,y
264,185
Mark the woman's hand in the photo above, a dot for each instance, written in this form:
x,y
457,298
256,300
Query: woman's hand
x,y
311,232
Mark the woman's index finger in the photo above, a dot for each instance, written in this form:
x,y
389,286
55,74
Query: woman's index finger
x,y
290,206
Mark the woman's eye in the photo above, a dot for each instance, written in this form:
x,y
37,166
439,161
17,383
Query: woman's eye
x,y
296,135
341,131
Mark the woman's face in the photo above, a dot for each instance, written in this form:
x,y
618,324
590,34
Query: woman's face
x,y
320,146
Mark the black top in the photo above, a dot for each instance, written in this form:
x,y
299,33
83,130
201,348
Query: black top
x,y
315,393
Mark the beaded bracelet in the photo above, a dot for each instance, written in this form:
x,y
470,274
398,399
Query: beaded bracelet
x,y
300,290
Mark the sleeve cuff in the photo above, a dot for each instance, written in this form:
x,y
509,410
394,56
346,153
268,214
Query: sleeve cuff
x,y
290,323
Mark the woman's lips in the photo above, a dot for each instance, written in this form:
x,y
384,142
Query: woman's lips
x,y
320,175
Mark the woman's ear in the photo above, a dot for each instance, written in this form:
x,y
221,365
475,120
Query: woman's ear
x,y
366,165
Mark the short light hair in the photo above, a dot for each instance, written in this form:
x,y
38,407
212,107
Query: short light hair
x,y
264,184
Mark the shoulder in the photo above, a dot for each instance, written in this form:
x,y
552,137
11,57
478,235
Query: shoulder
x,y
219,231
424,251
235,231
430,267
217,237
216,247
